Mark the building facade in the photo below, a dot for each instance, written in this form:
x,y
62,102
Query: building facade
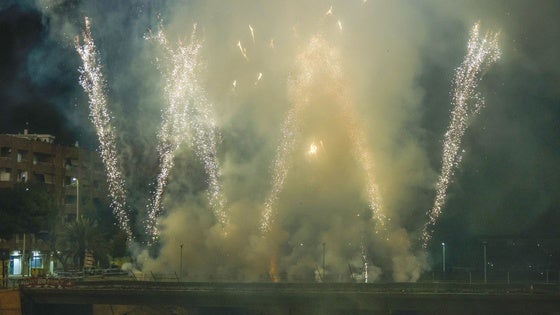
x,y
74,176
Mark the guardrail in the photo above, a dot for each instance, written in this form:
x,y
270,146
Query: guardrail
x,y
43,282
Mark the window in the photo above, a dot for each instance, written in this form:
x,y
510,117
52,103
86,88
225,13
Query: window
x,y
5,151
15,263
42,158
49,178
70,162
40,178
22,176
5,174
70,199
36,260
21,155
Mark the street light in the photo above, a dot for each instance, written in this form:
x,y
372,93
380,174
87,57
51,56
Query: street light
x,y
484,245
75,180
443,255
181,263
323,262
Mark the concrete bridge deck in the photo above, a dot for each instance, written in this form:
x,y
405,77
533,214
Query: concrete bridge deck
x,y
297,298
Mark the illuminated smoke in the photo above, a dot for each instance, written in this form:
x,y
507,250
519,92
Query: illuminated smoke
x,y
482,52
91,80
187,116
318,60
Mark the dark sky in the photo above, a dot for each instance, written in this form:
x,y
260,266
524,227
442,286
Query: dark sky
x,y
509,178
29,97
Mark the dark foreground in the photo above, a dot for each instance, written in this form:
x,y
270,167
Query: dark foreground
x,y
137,297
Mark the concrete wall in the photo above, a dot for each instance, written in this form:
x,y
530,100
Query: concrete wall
x,y
10,302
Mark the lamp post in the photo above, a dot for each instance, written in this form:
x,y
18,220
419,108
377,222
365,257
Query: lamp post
x,y
443,255
75,180
181,262
485,264
323,262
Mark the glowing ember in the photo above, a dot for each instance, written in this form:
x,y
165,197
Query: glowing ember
x,y
272,271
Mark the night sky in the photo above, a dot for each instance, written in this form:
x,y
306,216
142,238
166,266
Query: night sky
x,y
400,57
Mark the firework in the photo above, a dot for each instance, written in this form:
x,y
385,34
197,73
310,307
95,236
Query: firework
x,y
364,254
319,59
91,80
482,52
362,154
280,166
187,117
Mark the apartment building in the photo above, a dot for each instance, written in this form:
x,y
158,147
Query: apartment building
x,y
74,176
68,171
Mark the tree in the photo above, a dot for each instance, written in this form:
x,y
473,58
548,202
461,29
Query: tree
x,y
99,211
77,237
26,208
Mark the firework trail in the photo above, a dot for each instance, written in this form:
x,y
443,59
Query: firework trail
x,y
187,117
364,253
91,80
252,33
205,141
308,63
362,154
482,52
242,50
281,165
259,77
318,60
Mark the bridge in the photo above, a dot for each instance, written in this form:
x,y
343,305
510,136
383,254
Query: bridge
x,y
89,297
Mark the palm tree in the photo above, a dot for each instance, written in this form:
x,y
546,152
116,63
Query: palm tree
x,y
79,236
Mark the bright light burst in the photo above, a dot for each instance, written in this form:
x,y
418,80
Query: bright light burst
x,y
318,60
188,114
482,52
313,149
91,80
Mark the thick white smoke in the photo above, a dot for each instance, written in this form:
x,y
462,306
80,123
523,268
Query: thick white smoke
x,y
250,55
248,59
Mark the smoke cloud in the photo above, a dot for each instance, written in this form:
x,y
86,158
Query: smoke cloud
x,y
396,61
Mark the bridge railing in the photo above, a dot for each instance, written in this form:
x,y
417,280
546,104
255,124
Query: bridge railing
x,y
44,282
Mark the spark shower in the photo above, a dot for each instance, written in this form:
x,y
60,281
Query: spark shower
x,y
317,75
